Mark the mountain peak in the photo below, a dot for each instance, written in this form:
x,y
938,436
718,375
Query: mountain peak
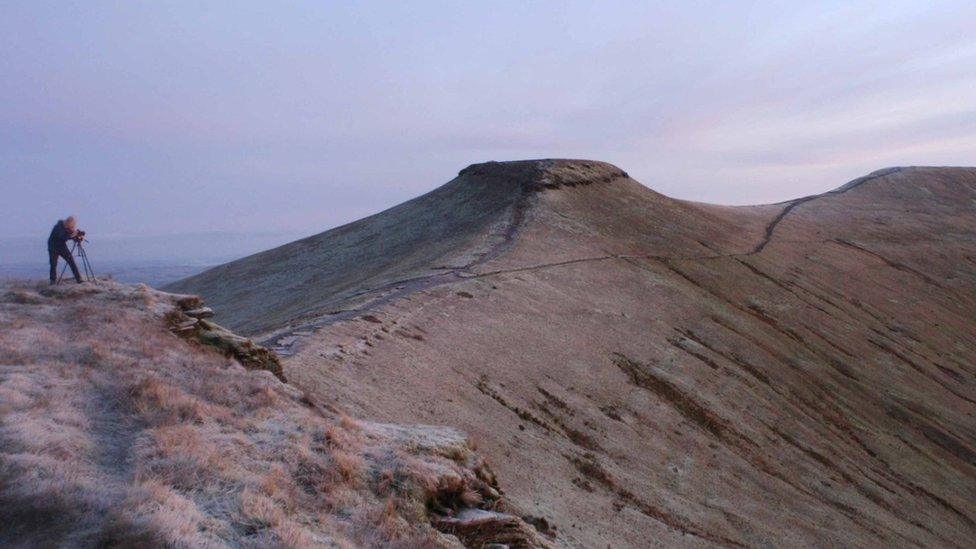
x,y
549,173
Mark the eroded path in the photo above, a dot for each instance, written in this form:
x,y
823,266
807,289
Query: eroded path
x,y
285,342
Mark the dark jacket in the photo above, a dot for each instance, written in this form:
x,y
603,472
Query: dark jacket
x,y
60,235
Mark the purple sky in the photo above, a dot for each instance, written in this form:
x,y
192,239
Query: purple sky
x,y
152,119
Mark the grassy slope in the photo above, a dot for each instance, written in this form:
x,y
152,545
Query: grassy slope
x,y
113,431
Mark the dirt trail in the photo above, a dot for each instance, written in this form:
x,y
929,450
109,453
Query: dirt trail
x,y
114,431
286,342
771,228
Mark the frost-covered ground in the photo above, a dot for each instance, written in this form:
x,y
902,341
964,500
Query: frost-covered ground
x,y
116,432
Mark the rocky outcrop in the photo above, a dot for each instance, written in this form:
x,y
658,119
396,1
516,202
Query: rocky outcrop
x,y
481,528
188,319
538,175
461,499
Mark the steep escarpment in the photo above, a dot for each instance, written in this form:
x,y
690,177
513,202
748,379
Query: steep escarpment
x,y
463,223
114,431
644,371
537,175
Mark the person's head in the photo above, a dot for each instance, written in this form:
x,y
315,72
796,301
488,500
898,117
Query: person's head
x,y
69,222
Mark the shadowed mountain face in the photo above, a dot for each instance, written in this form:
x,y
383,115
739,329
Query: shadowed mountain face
x,y
647,371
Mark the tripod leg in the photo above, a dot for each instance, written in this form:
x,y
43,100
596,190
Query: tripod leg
x,y
65,267
89,271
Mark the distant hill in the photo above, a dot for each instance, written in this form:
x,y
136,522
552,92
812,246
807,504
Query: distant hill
x,y
645,371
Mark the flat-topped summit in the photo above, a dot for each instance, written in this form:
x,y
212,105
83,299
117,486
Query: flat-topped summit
x,y
548,173
466,222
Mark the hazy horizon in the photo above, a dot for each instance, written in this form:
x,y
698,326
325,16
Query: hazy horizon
x,y
246,119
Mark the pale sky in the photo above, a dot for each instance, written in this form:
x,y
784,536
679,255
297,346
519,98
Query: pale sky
x,y
177,118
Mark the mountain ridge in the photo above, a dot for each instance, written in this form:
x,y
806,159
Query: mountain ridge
x,y
645,371
519,180
505,189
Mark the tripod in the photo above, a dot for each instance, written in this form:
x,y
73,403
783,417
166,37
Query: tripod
x,y
79,250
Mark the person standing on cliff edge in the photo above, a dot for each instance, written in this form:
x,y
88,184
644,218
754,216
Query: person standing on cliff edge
x,y
57,246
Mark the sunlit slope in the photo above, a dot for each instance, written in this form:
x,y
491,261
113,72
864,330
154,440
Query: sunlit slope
x,y
464,226
651,372
452,225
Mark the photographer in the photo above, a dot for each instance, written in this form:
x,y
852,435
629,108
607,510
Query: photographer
x,y
57,245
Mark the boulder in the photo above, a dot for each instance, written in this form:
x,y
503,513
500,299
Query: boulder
x,y
482,528
186,325
199,312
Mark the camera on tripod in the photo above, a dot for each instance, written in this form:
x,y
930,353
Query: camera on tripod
x,y
79,250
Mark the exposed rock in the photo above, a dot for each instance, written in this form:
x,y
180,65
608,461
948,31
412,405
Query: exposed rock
x,y
251,355
187,320
201,312
538,175
480,528
186,325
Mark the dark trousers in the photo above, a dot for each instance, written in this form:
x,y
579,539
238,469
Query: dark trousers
x,y
66,255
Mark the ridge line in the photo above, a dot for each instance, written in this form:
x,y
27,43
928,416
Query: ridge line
x,y
509,236
771,227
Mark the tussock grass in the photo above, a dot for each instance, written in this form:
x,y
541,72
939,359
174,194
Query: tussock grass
x,y
114,432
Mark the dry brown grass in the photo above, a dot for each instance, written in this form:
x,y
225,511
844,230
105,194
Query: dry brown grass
x,y
114,432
